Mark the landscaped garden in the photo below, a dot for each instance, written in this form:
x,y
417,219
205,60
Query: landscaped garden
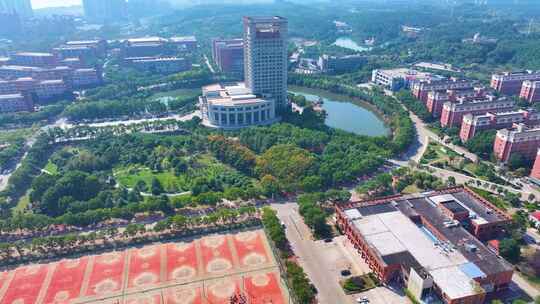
x,y
358,284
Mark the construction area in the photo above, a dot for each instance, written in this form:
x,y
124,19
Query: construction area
x,y
217,269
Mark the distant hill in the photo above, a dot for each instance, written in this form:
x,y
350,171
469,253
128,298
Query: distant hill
x,y
76,10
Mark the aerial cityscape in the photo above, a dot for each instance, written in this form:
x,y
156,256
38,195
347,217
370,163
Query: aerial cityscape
x,y
269,152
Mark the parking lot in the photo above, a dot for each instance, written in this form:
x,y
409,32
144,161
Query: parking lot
x,y
340,255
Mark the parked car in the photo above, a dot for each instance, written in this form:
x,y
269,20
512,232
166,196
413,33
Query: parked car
x,y
362,300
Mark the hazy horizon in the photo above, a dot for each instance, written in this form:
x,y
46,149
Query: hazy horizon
x,y
37,4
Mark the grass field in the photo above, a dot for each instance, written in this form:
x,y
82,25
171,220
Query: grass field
x,y
494,199
411,189
204,166
51,168
22,203
130,176
11,135
178,93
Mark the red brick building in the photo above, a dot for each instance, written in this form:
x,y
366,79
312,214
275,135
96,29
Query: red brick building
x,y
34,59
229,55
15,103
530,91
510,83
472,124
436,99
520,139
421,240
421,89
535,172
453,113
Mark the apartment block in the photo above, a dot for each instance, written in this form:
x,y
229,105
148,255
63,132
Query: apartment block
x,y
84,78
472,124
453,112
436,99
100,45
510,83
335,64
13,71
228,55
520,139
184,43
432,242
535,172
32,59
144,47
163,65
400,78
421,89
19,85
48,89
530,91
15,103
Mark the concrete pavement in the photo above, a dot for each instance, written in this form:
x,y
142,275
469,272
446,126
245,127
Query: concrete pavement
x,y
310,256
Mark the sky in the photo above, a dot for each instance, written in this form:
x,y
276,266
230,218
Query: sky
x,y
50,3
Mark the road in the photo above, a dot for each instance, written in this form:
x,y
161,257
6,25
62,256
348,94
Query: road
x,y
128,122
4,178
209,65
309,257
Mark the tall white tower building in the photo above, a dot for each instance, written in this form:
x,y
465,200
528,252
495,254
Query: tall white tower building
x,y
265,57
23,8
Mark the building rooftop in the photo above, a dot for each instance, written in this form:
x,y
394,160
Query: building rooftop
x,y
183,39
264,19
53,81
407,73
230,94
393,234
10,96
154,39
451,255
34,54
82,42
154,59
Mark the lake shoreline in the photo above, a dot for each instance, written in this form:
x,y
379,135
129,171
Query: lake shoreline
x,y
339,98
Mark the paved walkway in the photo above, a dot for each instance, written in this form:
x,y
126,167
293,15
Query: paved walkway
x,y
310,257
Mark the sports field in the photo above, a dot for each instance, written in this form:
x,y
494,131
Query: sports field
x,y
208,270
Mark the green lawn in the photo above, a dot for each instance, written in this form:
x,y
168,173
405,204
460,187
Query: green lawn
x,y
411,189
51,168
178,93
11,135
129,176
22,203
492,198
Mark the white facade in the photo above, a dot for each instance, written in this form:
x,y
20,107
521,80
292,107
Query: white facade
x,y
234,107
265,56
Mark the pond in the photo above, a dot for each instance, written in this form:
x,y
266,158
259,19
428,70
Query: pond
x,y
344,114
350,44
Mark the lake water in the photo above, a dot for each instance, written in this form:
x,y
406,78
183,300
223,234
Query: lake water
x,y
350,44
345,115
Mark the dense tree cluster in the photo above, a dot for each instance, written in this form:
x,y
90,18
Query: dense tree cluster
x,y
313,214
233,153
8,153
414,105
482,143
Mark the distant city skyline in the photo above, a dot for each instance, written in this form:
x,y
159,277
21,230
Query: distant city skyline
x,y
37,4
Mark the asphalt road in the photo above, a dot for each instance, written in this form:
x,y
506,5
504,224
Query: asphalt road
x,y
309,257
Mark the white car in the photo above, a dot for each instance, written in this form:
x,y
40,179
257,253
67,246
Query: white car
x,y
362,300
